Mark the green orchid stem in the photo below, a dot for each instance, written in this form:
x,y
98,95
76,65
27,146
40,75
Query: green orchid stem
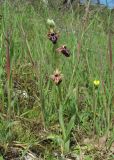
x,y
55,57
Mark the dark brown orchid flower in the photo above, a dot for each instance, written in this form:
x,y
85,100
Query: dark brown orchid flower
x,y
64,50
57,77
53,36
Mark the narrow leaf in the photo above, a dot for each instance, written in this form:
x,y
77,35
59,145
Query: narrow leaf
x,y
70,126
61,121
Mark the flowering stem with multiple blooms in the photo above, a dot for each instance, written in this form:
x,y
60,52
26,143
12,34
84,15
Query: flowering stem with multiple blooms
x,y
53,37
57,79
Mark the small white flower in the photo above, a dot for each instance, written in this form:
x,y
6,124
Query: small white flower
x,y
24,94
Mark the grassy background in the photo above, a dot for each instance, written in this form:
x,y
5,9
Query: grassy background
x,y
33,108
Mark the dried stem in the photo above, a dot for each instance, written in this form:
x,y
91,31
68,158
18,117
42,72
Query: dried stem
x,y
8,70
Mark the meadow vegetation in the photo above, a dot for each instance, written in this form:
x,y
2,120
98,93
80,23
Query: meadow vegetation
x,y
56,81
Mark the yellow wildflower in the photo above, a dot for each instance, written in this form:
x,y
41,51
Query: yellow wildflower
x,y
96,83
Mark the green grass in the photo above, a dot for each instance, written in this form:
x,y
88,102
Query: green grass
x,y
34,110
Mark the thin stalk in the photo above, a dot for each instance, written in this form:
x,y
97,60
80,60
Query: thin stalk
x,y
8,74
95,107
34,65
2,100
85,18
110,58
28,47
55,57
